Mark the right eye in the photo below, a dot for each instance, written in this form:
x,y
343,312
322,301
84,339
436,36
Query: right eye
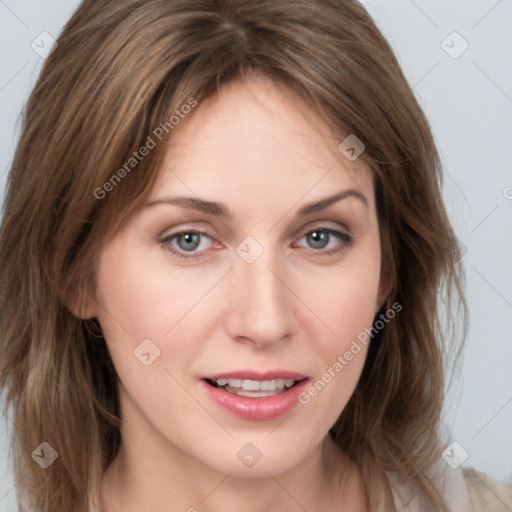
x,y
187,241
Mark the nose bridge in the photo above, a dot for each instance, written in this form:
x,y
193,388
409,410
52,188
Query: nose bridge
x,y
262,305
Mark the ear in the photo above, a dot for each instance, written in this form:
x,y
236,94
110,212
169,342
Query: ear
x,y
79,302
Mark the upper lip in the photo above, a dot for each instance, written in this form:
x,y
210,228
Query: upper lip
x,y
257,375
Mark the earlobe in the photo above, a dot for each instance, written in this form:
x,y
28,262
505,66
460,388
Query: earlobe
x,y
85,312
80,305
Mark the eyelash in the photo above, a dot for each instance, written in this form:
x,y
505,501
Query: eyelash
x,y
346,239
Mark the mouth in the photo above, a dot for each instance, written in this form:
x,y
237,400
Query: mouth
x,y
254,395
254,388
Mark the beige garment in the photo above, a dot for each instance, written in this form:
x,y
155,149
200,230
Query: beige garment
x,y
464,490
487,494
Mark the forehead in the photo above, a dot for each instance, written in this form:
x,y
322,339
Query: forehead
x,y
255,140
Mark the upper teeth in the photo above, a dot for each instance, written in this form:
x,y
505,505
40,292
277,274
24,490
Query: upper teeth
x,y
256,385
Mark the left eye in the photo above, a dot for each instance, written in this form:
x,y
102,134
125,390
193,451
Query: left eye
x,y
189,241
321,236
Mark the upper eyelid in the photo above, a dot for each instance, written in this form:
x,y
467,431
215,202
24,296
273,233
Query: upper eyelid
x,y
299,234
313,224
301,231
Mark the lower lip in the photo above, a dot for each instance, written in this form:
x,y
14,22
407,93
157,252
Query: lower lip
x,y
260,408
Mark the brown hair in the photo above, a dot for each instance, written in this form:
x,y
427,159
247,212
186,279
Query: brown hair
x,y
120,69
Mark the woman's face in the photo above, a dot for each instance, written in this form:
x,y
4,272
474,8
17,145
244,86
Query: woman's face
x,y
262,292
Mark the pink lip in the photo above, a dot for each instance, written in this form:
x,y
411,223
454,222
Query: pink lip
x,y
254,375
261,408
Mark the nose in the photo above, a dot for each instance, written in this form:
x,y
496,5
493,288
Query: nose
x,y
262,303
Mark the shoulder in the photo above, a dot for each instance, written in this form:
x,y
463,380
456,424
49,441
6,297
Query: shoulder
x,y
487,494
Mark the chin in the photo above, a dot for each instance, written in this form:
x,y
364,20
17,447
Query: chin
x,y
254,459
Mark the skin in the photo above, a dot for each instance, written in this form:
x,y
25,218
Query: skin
x,y
263,153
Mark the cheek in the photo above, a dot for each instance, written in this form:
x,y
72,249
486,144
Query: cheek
x,y
341,354
343,298
143,298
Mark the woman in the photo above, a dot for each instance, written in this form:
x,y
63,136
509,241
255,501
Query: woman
x,y
225,222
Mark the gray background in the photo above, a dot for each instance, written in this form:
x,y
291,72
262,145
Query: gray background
x,y
468,100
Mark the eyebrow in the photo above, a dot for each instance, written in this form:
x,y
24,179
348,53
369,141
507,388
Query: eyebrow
x,y
221,210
